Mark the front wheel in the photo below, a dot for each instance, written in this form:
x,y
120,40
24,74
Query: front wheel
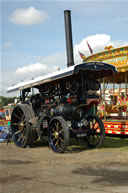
x,y
58,134
21,129
96,131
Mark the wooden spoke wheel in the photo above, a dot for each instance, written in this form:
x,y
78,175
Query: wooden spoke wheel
x,y
58,134
22,132
96,131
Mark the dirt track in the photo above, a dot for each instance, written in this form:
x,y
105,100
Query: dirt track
x,y
39,170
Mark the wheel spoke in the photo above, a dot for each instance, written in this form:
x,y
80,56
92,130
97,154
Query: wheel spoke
x,y
18,124
23,118
20,137
96,125
58,146
91,125
53,129
23,138
17,116
57,126
61,131
53,134
54,138
61,143
61,139
98,137
17,132
56,142
93,122
94,140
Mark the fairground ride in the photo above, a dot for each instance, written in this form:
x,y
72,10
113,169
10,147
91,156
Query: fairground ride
x,y
114,111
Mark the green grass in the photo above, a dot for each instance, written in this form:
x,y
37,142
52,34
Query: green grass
x,y
110,143
115,142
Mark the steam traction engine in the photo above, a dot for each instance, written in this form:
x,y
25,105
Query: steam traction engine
x,y
60,108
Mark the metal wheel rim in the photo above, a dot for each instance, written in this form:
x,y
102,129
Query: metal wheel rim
x,y
94,134
19,126
57,134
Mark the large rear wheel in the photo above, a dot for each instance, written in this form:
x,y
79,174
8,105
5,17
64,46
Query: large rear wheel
x,y
22,131
96,131
58,134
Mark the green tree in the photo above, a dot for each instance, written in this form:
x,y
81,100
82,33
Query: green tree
x,y
6,100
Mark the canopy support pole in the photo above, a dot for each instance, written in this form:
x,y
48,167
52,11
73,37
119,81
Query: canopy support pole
x,y
103,98
113,90
125,84
119,91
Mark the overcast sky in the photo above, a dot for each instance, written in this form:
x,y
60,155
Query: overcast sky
x,y
33,34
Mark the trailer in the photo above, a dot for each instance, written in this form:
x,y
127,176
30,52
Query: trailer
x,y
61,108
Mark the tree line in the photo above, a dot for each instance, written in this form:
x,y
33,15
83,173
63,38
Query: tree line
x,y
6,100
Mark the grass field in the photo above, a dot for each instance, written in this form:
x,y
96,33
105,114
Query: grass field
x,y
109,144
115,142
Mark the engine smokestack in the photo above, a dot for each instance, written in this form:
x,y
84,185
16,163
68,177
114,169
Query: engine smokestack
x,y
68,33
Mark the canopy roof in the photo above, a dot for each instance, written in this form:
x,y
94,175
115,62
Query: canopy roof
x,y
117,57
93,70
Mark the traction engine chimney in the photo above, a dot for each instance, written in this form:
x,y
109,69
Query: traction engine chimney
x,y
68,33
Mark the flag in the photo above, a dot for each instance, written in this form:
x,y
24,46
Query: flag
x,y
82,55
89,47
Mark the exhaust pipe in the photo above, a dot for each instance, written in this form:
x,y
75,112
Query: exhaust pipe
x,y
68,34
